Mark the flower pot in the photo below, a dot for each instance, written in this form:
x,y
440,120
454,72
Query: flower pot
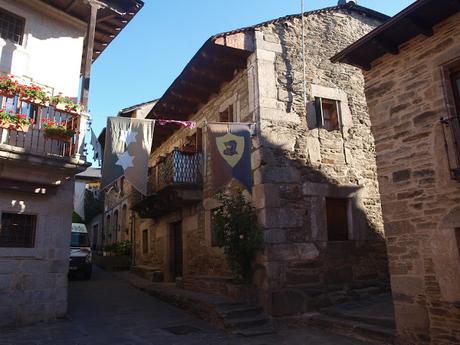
x,y
6,93
14,126
21,128
34,100
65,108
60,137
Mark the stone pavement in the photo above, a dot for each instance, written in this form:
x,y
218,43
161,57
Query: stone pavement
x,y
107,311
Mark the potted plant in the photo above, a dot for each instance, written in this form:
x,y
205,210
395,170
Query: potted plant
x,y
57,130
8,86
62,103
18,122
33,94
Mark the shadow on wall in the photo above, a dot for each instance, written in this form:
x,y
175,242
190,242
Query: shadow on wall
x,y
6,57
303,268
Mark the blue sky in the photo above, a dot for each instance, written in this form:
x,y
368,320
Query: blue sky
x,y
141,63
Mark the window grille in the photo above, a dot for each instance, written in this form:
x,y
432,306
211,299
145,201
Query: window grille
x,y
17,230
11,27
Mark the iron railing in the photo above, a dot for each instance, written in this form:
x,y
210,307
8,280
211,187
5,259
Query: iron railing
x,y
176,169
32,138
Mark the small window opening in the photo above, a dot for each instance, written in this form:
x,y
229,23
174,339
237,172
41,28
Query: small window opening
x,y
11,27
17,230
327,114
226,115
457,238
337,219
145,241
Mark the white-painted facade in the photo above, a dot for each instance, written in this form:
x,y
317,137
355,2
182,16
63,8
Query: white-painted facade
x,y
51,51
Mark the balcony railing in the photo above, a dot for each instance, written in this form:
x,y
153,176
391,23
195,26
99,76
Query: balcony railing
x,y
32,139
176,169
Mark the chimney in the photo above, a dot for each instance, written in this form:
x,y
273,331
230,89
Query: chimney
x,y
345,2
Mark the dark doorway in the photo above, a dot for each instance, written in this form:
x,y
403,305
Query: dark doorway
x,y
337,219
177,252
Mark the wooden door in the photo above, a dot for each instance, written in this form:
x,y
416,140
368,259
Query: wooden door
x,y
177,252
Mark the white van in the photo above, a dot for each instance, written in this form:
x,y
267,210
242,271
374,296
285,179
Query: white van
x,y
80,251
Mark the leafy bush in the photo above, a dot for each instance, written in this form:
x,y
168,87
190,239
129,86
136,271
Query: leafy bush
x,y
237,231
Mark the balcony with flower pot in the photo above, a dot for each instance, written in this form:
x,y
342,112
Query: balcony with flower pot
x,y
38,129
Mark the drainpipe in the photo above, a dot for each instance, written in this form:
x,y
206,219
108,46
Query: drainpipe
x,y
304,81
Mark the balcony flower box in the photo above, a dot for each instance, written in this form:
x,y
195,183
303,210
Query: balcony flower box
x,y
33,94
65,104
17,122
8,86
57,131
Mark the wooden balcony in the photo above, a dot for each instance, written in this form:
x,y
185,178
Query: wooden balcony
x,y
32,139
175,182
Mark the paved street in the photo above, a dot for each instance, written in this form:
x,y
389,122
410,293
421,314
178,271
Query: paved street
x,y
107,311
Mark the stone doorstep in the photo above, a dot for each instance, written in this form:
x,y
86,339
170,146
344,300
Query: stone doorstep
x,y
233,316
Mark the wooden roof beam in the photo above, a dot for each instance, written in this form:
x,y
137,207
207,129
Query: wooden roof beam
x,y
387,45
422,26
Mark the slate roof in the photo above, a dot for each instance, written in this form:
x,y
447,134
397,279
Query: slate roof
x,y
349,7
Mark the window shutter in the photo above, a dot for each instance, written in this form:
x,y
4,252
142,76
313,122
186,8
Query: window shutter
x,y
319,112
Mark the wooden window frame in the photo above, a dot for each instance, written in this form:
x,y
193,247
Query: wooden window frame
x,y
18,244
320,123
21,21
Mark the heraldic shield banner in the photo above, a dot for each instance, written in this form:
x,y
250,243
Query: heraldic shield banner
x,y
230,148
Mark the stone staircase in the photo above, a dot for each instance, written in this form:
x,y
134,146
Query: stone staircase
x,y
238,317
370,319
245,319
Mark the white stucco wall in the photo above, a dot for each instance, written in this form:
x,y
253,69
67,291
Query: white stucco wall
x,y
51,51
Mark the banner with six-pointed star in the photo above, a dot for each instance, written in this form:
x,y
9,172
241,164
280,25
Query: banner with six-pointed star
x,y
127,148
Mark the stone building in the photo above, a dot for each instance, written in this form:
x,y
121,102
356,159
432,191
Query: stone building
x,y
412,66
313,165
41,46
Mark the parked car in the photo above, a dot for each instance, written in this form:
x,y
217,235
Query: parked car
x,y
80,251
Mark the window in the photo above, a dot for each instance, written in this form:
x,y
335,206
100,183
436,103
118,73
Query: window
x,y
226,115
17,230
337,219
11,27
327,114
145,241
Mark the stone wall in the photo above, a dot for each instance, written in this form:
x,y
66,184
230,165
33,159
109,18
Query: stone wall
x,y
201,259
298,166
33,281
407,96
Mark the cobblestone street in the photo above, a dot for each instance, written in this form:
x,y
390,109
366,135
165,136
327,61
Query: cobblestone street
x,y
106,311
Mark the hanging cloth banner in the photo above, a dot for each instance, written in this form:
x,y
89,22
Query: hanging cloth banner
x,y
97,148
127,149
230,148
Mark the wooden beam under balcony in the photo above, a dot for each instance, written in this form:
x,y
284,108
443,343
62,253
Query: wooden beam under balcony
x,y
169,200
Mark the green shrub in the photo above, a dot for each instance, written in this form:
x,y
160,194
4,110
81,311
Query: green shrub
x,y
237,231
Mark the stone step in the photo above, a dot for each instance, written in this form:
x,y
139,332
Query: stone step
x,y
383,335
255,331
240,311
386,322
248,322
